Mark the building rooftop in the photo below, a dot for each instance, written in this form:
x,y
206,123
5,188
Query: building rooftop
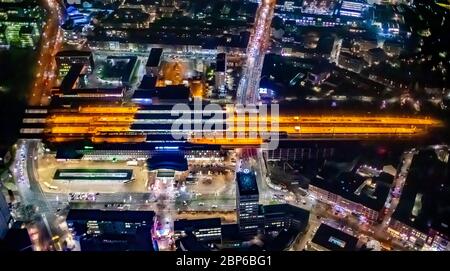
x,y
190,243
154,57
168,160
425,200
141,2
220,62
147,82
172,92
195,224
246,183
360,179
101,215
286,210
334,239
231,232
71,77
370,192
77,53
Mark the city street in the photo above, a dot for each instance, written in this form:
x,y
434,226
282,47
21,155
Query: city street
x,y
50,44
247,92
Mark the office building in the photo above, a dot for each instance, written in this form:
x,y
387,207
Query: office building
x,y
328,238
65,60
98,230
422,216
153,62
206,230
247,206
220,73
352,62
279,217
354,191
20,23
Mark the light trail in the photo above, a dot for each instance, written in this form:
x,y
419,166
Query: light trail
x,y
256,48
50,44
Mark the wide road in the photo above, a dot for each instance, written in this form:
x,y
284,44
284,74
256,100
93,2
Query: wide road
x,y
256,48
50,44
24,169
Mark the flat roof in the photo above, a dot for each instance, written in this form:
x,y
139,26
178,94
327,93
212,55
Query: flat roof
x,y
71,77
175,92
230,232
334,239
221,62
425,200
165,173
147,82
246,182
75,53
339,175
286,210
103,215
79,146
154,57
141,2
196,224
93,174
174,160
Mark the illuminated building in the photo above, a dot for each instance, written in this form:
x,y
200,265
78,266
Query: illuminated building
x,y
98,230
279,217
353,192
328,47
206,230
149,6
99,116
20,23
393,47
288,5
319,73
153,62
375,56
126,18
353,8
65,59
422,218
220,73
307,150
120,69
324,13
328,238
247,205
352,62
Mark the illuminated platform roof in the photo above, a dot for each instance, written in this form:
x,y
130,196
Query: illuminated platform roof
x,y
103,122
93,174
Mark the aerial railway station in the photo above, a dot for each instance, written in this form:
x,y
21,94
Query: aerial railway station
x,y
133,124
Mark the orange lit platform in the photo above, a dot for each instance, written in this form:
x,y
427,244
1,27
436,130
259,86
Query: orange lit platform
x,y
112,124
227,141
376,120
